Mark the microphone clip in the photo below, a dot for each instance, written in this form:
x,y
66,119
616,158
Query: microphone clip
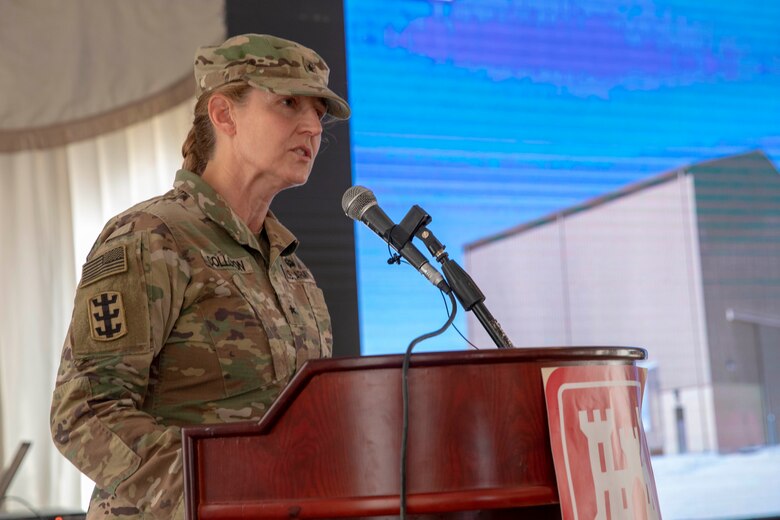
x,y
415,219
401,234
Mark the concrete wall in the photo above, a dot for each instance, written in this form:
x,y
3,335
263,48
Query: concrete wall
x,y
686,266
622,272
523,278
738,212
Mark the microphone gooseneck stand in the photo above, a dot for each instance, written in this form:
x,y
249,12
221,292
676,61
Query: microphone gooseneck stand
x,y
357,203
459,283
464,287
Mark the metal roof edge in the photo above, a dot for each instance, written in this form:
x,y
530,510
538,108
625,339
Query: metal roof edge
x,y
601,199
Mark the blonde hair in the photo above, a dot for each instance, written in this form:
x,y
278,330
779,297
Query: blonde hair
x,y
198,147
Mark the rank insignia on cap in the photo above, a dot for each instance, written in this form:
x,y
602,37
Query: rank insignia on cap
x,y
113,261
107,316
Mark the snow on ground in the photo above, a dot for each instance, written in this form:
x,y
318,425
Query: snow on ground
x,y
712,486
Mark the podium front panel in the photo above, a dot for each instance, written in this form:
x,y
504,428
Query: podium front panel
x,y
330,446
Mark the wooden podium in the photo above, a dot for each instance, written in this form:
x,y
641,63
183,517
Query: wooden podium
x,y
330,445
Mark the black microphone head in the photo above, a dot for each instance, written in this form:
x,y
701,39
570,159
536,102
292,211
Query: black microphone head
x,y
356,201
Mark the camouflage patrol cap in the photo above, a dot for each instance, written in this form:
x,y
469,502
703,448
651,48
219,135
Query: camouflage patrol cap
x,y
270,63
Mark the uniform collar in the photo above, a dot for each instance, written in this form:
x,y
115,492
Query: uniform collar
x,y
282,241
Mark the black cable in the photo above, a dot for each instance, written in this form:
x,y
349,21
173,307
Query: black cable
x,y
24,502
395,258
405,393
447,307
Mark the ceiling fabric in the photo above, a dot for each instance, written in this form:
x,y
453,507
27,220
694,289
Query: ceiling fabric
x,y
73,70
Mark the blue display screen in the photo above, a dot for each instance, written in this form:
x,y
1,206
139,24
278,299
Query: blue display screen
x,y
491,113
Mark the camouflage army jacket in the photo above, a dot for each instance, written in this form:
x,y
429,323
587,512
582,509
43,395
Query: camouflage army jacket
x,y
182,316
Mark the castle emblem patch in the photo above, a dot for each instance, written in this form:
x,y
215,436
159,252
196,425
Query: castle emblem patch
x,y
107,316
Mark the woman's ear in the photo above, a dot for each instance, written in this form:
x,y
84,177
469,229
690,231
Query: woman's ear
x,y
221,114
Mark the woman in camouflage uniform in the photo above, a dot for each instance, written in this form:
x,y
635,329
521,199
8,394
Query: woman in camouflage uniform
x,y
192,307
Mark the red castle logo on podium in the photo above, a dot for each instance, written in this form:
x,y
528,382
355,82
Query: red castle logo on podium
x,y
602,463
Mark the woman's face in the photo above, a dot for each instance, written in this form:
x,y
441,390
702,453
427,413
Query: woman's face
x,y
278,137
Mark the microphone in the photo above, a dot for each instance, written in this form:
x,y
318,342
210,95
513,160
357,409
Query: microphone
x,y
359,203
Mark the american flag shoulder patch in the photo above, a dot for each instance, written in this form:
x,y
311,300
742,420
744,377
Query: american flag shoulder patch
x,y
113,261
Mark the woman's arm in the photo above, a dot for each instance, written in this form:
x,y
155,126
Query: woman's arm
x,y
130,294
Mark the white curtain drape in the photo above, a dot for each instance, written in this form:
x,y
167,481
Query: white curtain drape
x,y
78,69
37,265
97,99
53,204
